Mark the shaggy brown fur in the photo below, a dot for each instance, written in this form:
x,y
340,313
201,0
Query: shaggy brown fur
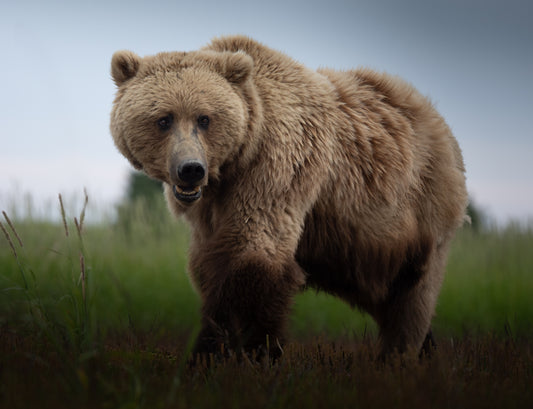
x,y
349,182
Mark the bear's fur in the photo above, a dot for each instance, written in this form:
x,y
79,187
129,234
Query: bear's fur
x,y
348,182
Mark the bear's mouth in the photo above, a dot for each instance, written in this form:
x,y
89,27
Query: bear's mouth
x,y
187,194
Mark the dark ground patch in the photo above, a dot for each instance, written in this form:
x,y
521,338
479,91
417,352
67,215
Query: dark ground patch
x,y
129,370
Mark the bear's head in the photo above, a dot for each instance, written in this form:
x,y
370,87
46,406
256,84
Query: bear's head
x,y
180,117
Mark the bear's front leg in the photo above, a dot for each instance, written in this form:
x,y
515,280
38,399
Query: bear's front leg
x,y
246,300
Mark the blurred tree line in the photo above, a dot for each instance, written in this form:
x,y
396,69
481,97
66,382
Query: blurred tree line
x,y
141,186
143,205
478,218
144,199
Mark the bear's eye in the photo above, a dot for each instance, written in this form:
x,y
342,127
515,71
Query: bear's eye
x,y
165,122
203,121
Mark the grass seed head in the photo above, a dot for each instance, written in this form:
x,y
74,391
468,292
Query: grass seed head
x,y
63,216
82,214
8,238
12,228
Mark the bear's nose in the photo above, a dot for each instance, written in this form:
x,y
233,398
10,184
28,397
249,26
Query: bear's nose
x,y
191,171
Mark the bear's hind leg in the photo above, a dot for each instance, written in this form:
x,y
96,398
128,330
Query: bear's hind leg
x,y
405,317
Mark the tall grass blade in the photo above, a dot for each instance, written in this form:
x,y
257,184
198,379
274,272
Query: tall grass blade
x,y
82,279
13,249
8,238
63,217
12,228
82,214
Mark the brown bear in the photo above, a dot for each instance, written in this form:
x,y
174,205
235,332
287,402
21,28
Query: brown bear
x,y
348,182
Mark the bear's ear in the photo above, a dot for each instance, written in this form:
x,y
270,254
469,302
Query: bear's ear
x,y
236,67
124,66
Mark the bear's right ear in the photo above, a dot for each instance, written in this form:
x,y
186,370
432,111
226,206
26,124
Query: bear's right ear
x,y
124,66
237,66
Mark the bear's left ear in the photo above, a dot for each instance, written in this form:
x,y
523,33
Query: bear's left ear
x,y
236,67
124,66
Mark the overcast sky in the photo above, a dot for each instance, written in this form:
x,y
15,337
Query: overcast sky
x,y
474,59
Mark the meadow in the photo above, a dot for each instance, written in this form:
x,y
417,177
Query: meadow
x,y
103,315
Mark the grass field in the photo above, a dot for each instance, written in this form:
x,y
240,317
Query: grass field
x,y
102,316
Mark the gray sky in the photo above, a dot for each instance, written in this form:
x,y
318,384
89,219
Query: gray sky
x,y
474,59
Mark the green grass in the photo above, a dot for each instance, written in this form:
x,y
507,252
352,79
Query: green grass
x,y
139,273
489,283
113,331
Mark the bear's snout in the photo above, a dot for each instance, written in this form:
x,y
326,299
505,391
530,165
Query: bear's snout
x,y
188,176
191,171
187,167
